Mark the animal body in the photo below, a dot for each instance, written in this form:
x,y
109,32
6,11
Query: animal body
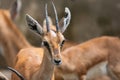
x,y
39,63
77,60
11,39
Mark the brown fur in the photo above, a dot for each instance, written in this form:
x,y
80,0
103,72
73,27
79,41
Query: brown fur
x,y
38,63
35,63
114,61
11,38
113,66
68,44
78,59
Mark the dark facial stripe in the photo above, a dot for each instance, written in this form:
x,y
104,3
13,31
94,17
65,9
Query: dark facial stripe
x,y
47,46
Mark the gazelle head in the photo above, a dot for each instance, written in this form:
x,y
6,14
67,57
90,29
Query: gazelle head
x,y
53,40
10,14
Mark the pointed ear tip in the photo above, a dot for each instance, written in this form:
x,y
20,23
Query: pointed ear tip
x,y
67,9
27,16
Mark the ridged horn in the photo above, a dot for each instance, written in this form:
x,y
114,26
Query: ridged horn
x,y
56,17
47,21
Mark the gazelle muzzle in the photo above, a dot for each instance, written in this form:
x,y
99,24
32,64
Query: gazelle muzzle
x,y
57,57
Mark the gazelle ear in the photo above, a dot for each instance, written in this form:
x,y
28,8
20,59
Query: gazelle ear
x,y
64,22
34,25
15,9
44,23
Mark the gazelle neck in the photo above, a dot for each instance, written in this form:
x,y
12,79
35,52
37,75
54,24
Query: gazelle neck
x,y
18,40
46,69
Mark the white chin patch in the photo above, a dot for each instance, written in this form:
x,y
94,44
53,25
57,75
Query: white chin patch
x,y
53,33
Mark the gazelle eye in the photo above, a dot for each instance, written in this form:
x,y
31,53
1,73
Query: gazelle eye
x,y
45,43
62,43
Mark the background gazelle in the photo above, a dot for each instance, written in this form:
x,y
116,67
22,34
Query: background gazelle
x,y
11,39
77,60
111,69
38,63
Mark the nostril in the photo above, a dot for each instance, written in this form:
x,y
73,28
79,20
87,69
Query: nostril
x,y
57,61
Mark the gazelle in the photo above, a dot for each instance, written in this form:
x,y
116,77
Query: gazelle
x,y
39,63
110,70
113,66
77,60
3,77
11,39
68,44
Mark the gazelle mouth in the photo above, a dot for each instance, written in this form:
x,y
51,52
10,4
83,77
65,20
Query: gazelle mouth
x,y
57,61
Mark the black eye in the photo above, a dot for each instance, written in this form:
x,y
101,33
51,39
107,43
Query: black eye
x,y
45,43
62,43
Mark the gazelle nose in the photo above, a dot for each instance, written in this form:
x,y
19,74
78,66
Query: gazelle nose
x,y
57,62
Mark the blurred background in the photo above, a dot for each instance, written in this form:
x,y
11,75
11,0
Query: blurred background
x,y
90,18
